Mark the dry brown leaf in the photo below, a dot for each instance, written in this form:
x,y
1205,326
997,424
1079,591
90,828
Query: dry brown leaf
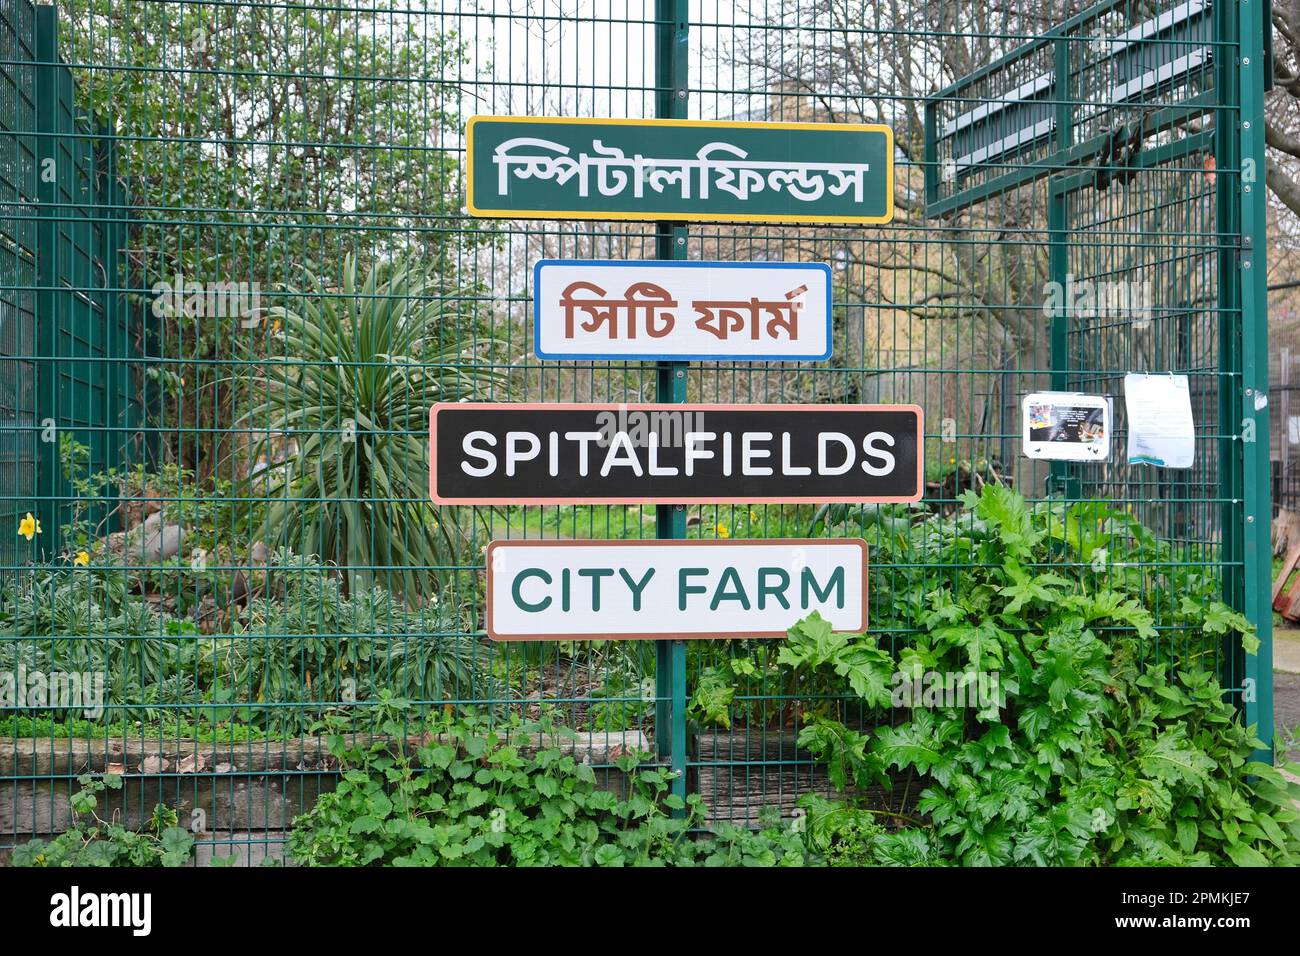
x,y
192,764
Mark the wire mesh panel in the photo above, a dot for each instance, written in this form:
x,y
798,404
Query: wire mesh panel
x,y
250,548
1174,252
17,326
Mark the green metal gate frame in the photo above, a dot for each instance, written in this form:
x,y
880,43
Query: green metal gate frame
x,y
1236,142
79,314
1244,272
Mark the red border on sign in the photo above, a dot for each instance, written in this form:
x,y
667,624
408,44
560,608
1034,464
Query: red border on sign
x,y
669,543
676,500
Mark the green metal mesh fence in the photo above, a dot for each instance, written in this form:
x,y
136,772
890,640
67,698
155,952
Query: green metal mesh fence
x,y
18,330
235,526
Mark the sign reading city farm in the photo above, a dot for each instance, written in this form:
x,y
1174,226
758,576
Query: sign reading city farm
x,y
678,311
580,590
490,453
562,168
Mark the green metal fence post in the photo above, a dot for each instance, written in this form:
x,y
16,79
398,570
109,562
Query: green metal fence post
x,y
1243,360
113,410
671,49
1062,480
1256,490
49,478
1229,389
1058,230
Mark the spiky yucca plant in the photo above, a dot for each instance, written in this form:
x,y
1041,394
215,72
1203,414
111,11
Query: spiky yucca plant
x,y
358,373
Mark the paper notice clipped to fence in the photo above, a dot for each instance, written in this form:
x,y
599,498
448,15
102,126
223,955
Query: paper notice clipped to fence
x,y
1161,430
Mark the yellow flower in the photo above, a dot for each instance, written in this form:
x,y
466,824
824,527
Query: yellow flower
x,y
723,530
952,461
752,516
82,558
29,527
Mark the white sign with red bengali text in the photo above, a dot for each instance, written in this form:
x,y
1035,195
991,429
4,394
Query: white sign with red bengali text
x,y
620,310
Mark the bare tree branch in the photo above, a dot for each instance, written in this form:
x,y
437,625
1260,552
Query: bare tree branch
x,y
1284,187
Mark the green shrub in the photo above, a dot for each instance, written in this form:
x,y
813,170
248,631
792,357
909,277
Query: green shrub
x,y
1095,753
305,640
85,620
299,640
95,842
470,797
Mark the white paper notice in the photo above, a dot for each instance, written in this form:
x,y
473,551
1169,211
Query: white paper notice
x,y
1066,426
1160,426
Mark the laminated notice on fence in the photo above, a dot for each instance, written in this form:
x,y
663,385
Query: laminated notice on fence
x,y
1161,430
1066,426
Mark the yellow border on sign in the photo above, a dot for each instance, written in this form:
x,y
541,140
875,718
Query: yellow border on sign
x,y
678,216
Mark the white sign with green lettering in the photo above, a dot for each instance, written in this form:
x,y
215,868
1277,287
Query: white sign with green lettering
x,y
654,589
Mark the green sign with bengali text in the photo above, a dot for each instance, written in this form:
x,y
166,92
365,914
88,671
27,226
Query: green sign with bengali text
x,y
552,168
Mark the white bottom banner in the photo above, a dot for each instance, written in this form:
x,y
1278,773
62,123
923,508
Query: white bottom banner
x,y
597,590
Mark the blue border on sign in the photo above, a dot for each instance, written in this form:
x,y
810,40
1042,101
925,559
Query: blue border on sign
x,y
674,357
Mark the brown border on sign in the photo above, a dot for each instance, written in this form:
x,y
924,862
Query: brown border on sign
x,y
666,543
677,500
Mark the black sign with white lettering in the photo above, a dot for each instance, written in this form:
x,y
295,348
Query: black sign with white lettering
x,y
489,453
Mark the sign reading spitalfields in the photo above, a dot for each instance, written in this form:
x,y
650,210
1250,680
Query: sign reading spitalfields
x,y
678,311
576,590
559,168
488,453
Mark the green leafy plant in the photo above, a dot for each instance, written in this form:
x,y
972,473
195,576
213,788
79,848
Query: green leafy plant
x,y
130,500
303,639
300,639
1096,753
166,726
85,620
471,794
92,841
360,371
843,835
711,702
623,701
